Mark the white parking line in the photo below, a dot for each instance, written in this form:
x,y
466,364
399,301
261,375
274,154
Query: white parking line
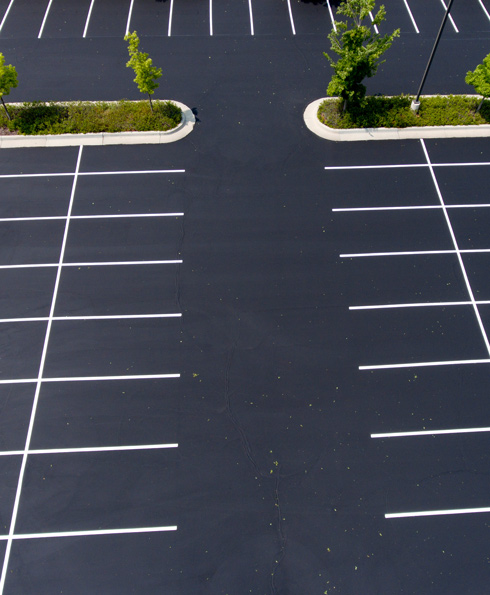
x,y
89,533
111,216
291,18
93,173
89,378
415,305
90,264
56,451
44,19
170,18
402,166
211,17
484,9
401,515
372,19
459,362
450,17
332,18
6,14
128,23
251,17
430,433
83,318
411,16
411,208
414,253
89,14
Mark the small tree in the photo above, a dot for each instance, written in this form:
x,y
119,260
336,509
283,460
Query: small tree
x,y
480,79
146,73
8,79
359,48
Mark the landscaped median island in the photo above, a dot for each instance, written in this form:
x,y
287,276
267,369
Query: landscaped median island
x,y
391,118
100,122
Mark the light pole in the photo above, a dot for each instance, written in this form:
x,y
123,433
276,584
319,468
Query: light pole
x,y
416,103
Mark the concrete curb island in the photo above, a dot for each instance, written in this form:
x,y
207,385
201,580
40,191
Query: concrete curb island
x,y
412,132
104,138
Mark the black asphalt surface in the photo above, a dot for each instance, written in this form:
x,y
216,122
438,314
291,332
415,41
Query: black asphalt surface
x,y
276,486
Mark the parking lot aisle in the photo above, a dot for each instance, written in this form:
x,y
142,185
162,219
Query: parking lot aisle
x,y
24,19
428,15
108,18
190,17
66,18
311,18
150,18
231,17
271,17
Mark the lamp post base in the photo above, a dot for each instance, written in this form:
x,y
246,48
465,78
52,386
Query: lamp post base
x,y
414,106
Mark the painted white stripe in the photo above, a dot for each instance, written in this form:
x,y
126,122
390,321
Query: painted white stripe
x,y
170,18
118,216
331,16
251,17
90,533
416,253
410,208
372,19
56,451
211,17
407,253
89,378
94,173
481,4
293,29
6,14
414,305
456,247
89,14
39,379
460,362
430,433
450,17
404,165
129,16
90,264
411,16
75,318
400,515
44,19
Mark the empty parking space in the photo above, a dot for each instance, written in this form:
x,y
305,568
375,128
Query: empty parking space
x,y
108,18
114,413
24,19
231,17
149,17
66,18
271,18
312,18
189,17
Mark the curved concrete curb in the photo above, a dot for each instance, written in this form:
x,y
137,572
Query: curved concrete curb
x,y
413,132
104,138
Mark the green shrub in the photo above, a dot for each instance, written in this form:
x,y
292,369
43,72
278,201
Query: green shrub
x,y
84,117
395,112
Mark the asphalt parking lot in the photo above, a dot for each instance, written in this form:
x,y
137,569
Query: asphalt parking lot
x,y
252,361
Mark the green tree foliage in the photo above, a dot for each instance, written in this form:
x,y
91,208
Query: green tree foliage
x,y
359,49
8,79
480,79
146,73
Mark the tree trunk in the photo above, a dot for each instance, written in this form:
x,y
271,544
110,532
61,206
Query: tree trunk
x,y
151,105
480,104
5,108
